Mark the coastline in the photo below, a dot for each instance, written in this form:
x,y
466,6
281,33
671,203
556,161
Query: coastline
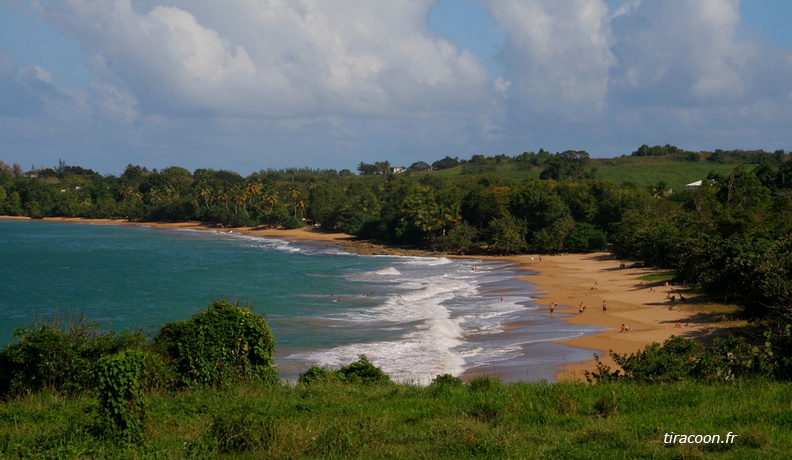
x,y
572,279
566,279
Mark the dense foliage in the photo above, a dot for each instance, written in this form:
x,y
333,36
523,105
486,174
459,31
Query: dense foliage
x,y
49,355
222,345
227,343
731,235
361,371
679,359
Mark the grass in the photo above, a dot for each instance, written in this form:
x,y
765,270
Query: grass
x,y
659,276
484,418
640,171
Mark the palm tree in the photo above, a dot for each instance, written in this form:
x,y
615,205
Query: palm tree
x,y
294,194
270,197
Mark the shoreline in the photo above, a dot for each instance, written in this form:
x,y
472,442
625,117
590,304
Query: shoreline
x,y
643,306
568,279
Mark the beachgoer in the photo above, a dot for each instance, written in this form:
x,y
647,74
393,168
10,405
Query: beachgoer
x,y
624,328
678,325
604,307
580,309
501,298
552,307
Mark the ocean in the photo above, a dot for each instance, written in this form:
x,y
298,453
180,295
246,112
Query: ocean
x,y
415,317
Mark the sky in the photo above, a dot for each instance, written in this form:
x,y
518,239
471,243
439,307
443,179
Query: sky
x,y
248,85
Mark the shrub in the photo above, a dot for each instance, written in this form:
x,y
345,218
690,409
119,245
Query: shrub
x,y
362,371
47,355
446,380
680,359
291,222
316,374
224,344
120,391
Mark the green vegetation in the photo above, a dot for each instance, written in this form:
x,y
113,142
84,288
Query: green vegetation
x,y
664,275
681,359
220,346
206,387
482,418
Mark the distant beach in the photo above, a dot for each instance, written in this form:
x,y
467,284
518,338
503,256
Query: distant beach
x,y
569,280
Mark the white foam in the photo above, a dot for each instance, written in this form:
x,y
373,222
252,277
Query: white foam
x,y
416,357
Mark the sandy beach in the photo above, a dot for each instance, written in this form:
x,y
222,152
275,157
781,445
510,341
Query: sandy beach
x,y
642,306
569,280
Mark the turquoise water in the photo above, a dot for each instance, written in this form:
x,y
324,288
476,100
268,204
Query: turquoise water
x,y
427,316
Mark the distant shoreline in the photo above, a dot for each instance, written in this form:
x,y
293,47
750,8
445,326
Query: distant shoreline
x,y
566,279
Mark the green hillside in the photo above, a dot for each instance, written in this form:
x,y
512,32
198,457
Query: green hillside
x,y
640,171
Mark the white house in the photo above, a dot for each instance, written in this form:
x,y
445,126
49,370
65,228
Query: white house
x,y
693,186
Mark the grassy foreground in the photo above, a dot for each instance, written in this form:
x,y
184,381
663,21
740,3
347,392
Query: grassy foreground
x,y
482,418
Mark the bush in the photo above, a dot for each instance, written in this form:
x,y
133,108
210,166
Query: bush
x,y
47,355
362,371
119,386
316,374
446,380
679,359
225,344
291,222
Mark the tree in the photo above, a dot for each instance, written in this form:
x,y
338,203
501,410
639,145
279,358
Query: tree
x,y
446,163
570,164
420,166
507,234
537,202
366,168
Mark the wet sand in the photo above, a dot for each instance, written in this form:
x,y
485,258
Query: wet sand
x,y
569,280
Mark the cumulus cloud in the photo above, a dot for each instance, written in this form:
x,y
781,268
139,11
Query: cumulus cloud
x,y
687,53
333,83
557,54
684,72
274,58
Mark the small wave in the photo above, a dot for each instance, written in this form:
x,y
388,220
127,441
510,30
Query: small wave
x,y
390,271
428,261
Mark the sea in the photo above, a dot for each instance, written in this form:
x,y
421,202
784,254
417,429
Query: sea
x,y
415,317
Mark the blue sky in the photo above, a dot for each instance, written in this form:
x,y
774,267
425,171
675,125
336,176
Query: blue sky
x,y
247,86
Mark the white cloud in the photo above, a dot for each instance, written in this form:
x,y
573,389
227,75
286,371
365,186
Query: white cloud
x,y
320,83
681,52
557,54
275,58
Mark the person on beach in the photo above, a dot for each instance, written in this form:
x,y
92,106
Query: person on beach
x,y
624,328
552,307
604,307
581,308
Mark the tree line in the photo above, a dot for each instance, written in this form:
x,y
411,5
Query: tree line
x,y
732,236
